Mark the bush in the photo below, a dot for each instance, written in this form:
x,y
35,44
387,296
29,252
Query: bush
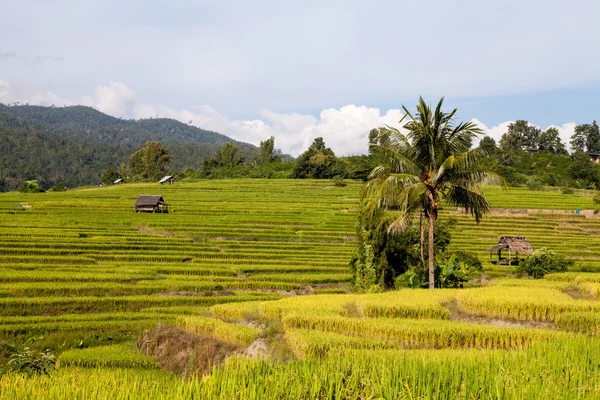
x,y
542,262
31,187
59,187
469,260
567,191
338,180
32,362
534,184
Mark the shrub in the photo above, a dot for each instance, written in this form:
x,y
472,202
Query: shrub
x,y
534,184
567,191
468,259
338,180
59,187
31,362
31,187
544,261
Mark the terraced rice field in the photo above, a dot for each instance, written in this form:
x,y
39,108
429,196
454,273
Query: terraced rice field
x,y
86,275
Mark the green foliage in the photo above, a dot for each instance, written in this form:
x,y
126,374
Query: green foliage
x,y
567,191
535,184
586,138
73,145
109,175
267,152
317,162
59,187
468,259
227,157
150,162
432,161
381,256
338,181
25,360
31,187
542,262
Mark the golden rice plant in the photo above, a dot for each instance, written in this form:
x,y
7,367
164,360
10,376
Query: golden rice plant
x,y
234,333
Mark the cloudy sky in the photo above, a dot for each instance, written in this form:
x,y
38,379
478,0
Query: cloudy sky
x,y
302,69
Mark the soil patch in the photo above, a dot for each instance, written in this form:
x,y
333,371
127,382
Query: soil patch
x,y
578,294
182,353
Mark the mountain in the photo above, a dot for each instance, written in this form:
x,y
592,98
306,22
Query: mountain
x,y
72,145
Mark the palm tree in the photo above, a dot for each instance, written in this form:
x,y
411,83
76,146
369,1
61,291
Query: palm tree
x,y
431,162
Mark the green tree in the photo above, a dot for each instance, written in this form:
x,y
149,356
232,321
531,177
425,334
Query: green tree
x,y
521,135
489,144
580,138
109,175
318,161
431,162
150,162
549,141
267,155
228,156
593,139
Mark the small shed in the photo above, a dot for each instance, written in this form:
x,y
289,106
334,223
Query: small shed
x,y
168,178
515,245
120,180
151,203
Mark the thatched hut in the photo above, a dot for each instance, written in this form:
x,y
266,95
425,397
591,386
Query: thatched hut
x,y
515,245
151,203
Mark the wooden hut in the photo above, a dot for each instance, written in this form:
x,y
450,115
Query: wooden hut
x,y
515,245
151,203
168,178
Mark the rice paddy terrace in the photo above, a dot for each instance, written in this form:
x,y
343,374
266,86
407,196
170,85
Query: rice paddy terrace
x,y
86,275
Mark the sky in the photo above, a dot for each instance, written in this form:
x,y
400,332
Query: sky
x,y
303,69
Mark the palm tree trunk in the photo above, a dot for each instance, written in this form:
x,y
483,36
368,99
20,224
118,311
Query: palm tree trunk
x,y
431,218
422,239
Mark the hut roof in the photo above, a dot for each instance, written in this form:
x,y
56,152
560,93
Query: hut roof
x,y
118,180
518,244
144,200
165,179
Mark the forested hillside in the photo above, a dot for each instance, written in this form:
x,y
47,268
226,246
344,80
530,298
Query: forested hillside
x,y
73,145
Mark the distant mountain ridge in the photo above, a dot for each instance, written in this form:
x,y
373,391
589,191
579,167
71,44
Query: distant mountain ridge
x,y
72,145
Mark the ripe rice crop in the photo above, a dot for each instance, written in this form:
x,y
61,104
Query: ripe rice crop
x,y
423,333
233,333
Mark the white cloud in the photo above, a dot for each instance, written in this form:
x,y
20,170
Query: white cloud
x,y
345,130
28,93
115,99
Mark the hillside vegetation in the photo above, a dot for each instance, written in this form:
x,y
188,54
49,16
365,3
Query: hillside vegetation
x,y
260,268
73,145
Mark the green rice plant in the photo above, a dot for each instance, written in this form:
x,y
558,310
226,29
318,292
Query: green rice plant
x,y
233,333
414,374
123,355
177,310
